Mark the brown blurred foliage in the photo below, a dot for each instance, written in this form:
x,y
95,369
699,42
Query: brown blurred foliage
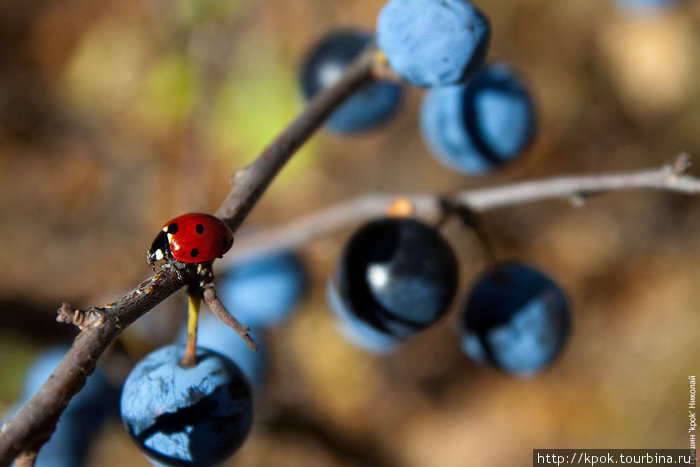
x,y
117,115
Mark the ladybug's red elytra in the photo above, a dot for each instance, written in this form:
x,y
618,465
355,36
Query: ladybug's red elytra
x,y
191,238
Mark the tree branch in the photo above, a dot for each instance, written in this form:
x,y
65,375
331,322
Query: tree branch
x,y
250,182
576,188
37,419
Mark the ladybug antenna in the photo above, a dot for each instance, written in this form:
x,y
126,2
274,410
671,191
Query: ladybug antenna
x,y
160,249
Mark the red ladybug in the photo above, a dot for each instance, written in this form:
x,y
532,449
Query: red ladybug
x,y
191,238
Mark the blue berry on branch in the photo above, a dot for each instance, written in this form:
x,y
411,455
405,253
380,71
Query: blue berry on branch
x,y
515,318
355,330
397,275
325,63
644,7
433,42
480,126
187,416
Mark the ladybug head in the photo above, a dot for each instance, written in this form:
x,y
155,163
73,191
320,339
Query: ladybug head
x,y
160,249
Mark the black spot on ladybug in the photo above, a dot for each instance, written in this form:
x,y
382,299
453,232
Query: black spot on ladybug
x,y
223,242
199,229
194,252
172,228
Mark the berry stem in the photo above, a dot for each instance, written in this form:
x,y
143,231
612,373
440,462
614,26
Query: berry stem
x,y
479,229
472,221
189,360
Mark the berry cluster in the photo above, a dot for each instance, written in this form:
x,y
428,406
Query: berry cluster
x,y
474,119
397,275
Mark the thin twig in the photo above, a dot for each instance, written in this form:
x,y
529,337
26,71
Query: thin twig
x,y
258,242
224,315
37,419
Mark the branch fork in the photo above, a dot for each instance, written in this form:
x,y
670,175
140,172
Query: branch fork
x,y
202,287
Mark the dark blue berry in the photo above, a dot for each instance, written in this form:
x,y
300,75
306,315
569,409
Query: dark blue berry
x,y
397,275
515,318
82,419
433,42
355,330
367,108
264,291
644,7
187,416
480,126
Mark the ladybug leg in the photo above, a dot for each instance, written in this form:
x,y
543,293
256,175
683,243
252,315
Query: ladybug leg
x,y
205,273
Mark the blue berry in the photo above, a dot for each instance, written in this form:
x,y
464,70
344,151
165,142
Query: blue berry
x,y
644,6
83,417
356,331
187,416
370,106
264,291
479,127
433,42
397,275
516,319
215,335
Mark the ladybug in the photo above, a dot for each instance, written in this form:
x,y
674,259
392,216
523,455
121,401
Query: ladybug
x,y
191,238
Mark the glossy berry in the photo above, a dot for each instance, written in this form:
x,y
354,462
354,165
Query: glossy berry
x,y
191,238
324,65
433,42
214,335
187,416
264,290
356,331
82,419
516,319
478,127
397,275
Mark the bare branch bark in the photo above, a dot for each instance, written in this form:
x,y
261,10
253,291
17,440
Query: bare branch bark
x,y
575,188
37,419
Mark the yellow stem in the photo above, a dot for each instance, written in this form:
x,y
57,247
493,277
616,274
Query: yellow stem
x,y
190,357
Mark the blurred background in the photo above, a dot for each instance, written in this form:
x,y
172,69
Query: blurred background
x,y
118,115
